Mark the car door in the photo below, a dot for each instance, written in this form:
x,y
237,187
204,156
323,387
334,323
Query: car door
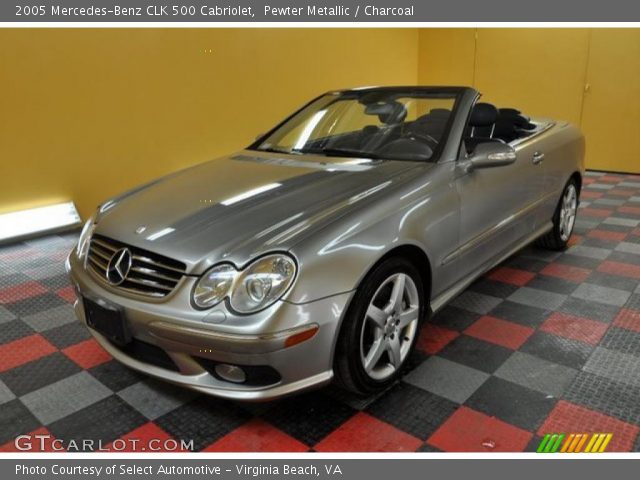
x,y
497,208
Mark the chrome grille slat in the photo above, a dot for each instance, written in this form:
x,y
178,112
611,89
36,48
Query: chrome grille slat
x,y
104,245
148,283
149,261
98,263
104,256
142,292
151,275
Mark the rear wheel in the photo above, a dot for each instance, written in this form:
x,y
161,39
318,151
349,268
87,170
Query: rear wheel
x,y
380,328
564,219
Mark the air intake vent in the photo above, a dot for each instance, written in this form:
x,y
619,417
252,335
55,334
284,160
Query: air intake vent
x,y
150,274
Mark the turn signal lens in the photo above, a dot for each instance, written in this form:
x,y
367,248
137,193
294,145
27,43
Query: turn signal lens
x,y
300,337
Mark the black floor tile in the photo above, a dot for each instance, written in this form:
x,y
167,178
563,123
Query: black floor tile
x,y
39,373
309,417
104,421
203,420
511,403
476,353
564,351
412,410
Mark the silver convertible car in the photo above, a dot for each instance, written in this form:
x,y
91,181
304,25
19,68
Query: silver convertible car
x,y
315,253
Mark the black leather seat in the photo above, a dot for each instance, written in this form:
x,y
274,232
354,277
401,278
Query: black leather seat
x,y
481,125
511,124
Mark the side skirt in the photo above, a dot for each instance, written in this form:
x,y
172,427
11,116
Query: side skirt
x,y
452,292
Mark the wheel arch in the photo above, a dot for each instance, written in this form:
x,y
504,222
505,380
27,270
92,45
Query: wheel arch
x,y
577,176
413,253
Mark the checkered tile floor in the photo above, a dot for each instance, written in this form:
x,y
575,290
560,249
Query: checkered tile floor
x,y
547,342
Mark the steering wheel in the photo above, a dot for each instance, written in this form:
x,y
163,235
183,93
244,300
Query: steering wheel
x,y
424,137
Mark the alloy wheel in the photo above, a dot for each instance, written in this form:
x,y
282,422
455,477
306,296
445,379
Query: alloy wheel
x,y
389,327
568,210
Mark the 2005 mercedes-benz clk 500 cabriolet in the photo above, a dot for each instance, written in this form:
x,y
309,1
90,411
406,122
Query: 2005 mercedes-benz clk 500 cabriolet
x,y
316,252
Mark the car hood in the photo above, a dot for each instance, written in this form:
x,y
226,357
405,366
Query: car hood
x,y
237,207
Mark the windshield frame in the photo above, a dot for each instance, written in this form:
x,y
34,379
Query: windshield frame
x,y
456,94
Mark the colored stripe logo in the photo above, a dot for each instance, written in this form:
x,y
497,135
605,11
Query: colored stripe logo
x,y
574,443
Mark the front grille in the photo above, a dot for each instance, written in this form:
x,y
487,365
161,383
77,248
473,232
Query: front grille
x,y
151,274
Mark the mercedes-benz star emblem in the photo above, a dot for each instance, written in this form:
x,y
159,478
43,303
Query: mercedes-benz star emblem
x,y
119,266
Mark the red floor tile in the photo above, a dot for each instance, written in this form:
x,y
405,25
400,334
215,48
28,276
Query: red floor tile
x,y
607,235
608,179
470,431
575,240
566,272
621,269
27,349
595,212
629,319
433,338
40,440
146,438
621,192
87,354
590,194
67,293
257,436
364,433
511,275
20,292
19,254
570,418
627,209
575,328
500,332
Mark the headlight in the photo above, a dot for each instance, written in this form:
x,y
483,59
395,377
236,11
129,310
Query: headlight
x,y
256,287
85,236
262,283
214,286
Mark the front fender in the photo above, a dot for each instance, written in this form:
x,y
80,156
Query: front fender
x,y
422,214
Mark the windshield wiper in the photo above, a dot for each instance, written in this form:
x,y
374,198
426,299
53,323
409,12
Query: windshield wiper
x,y
340,152
280,150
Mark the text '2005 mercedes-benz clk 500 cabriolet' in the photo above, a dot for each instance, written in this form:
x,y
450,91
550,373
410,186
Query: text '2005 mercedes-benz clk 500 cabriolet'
x,y
316,253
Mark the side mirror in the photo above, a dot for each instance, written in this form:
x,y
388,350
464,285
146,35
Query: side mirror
x,y
491,154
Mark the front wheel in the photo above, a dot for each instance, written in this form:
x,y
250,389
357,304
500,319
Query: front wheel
x,y
564,219
380,328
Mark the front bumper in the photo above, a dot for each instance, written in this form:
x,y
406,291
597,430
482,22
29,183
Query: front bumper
x,y
192,342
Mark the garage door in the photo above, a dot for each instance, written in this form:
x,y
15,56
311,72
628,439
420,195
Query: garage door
x,y
611,116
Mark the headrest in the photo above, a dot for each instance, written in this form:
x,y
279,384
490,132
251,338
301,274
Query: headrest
x,y
436,115
508,112
483,115
387,112
440,112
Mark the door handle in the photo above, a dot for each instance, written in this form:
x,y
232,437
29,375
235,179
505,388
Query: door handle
x,y
537,158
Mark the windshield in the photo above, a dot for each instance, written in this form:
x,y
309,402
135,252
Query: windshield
x,y
388,124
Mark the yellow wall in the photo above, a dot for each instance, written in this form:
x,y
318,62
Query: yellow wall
x,y
545,72
88,113
446,56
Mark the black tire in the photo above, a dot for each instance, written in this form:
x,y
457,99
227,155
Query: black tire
x,y
348,367
554,239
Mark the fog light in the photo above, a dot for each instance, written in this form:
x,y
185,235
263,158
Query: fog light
x,y
231,373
